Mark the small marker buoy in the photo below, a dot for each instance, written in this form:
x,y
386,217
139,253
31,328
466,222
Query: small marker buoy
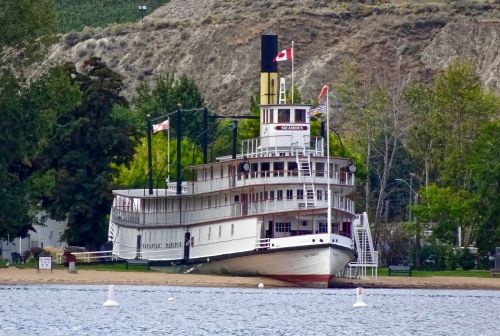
x,y
359,298
260,285
110,302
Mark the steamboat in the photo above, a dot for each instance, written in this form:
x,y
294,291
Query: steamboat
x,y
278,208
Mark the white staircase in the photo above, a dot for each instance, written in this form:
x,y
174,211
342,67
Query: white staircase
x,y
305,174
367,256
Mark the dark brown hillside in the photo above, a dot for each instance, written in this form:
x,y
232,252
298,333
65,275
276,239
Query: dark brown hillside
x,y
217,42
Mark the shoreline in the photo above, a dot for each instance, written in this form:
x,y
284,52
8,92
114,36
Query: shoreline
x,y
15,276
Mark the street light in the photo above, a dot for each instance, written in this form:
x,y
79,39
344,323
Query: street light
x,y
412,191
142,8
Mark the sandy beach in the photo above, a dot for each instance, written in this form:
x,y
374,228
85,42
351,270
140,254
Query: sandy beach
x,y
16,276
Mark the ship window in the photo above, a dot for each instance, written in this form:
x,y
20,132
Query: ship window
x,y
282,227
319,194
320,169
304,223
232,229
271,194
292,169
283,115
236,198
280,194
300,194
220,231
279,168
322,228
300,116
289,194
264,167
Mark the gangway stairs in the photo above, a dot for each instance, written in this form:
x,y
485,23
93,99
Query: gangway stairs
x,y
305,174
367,256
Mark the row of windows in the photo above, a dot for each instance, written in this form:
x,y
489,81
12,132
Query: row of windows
x,y
284,116
278,194
283,226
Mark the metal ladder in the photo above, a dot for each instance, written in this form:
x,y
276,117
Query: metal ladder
x,y
304,167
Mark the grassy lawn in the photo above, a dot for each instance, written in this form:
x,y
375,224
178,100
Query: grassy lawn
x,y
382,271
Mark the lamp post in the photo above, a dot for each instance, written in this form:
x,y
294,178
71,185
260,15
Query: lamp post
x,y
142,8
417,226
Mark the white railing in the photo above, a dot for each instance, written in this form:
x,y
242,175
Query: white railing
x,y
92,256
281,144
88,256
263,243
154,219
268,177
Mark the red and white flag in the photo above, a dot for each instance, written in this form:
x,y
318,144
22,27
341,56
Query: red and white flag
x,y
284,55
161,126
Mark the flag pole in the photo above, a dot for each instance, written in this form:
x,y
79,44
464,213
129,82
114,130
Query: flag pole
x,y
293,56
329,192
168,151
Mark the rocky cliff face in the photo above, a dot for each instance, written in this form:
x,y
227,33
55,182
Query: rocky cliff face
x,y
217,43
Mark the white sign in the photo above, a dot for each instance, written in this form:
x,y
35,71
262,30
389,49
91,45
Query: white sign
x,y
45,263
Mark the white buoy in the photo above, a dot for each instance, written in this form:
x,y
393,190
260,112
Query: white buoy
x,y
260,285
359,298
110,302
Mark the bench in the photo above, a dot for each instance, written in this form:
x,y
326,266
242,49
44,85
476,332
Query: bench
x,y
137,262
399,270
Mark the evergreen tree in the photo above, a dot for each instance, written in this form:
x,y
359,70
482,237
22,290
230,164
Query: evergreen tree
x,y
86,144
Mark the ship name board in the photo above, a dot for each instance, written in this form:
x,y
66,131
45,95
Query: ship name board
x,y
311,254
291,128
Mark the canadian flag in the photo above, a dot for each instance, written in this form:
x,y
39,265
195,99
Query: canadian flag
x,y
161,126
284,55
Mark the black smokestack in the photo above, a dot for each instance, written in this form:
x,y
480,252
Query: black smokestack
x,y
269,50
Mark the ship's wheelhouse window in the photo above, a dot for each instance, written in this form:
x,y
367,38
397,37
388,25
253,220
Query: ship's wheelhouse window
x,y
283,115
300,116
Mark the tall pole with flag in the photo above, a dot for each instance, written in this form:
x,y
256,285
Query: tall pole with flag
x,y
292,72
329,192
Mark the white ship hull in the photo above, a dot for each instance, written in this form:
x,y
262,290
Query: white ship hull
x,y
310,267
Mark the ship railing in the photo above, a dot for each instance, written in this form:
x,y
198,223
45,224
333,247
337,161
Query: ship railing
x,y
264,243
155,218
270,176
274,145
310,239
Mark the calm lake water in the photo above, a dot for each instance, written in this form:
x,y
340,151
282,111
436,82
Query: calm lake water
x,y
144,310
